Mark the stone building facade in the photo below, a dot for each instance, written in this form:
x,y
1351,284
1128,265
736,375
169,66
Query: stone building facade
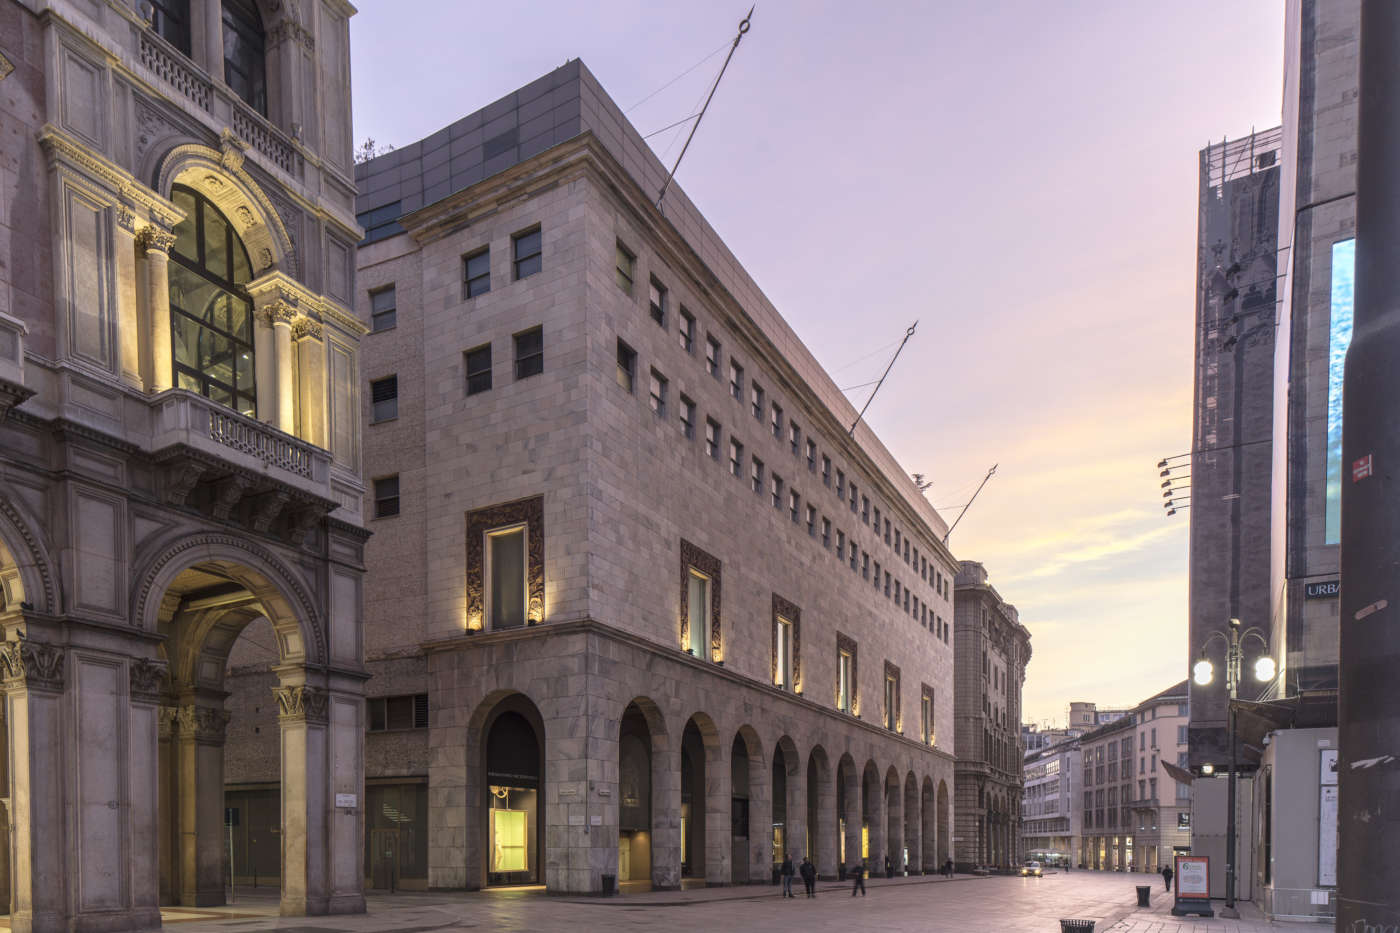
x,y
993,649
665,618
1160,821
1107,787
179,450
1051,817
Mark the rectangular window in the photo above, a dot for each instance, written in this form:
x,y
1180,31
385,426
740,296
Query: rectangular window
x,y
896,543
712,356
756,475
656,302
926,718
811,456
865,509
626,366
659,386
853,555
712,438
826,532
777,420
775,485
390,714
384,396
875,581
795,438
782,676
865,565
840,544
826,471
841,485
383,309
529,353
891,698
877,520
887,583
685,331
736,380
853,498
1181,738
386,496
626,266
699,612
756,400
811,522
478,366
476,273
687,417
845,684
795,505
505,577
736,458
528,249
887,535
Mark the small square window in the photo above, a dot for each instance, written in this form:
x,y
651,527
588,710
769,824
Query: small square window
x,y
685,331
476,273
529,353
478,364
626,266
658,393
756,475
712,438
657,302
528,250
736,380
384,395
626,366
383,309
736,458
712,356
687,417
386,496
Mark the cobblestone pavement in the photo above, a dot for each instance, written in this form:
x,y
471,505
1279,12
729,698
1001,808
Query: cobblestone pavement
x,y
963,904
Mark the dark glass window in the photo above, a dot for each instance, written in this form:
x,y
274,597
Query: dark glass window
x,y
626,263
380,223
528,248
386,496
211,315
391,713
529,353
171,21
479,369
384,394
383,309
626,366
245,53
657,302
685,332
476,273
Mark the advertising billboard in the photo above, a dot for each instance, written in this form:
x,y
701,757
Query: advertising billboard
x,y
1343,278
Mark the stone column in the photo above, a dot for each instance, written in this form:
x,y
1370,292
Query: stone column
x,y
854,818
128,307
718,798
303,713
875,862
281,315
311,398
665,815
796,804
147,680
894,828
825,852
33,678
157,243
913,834
199,754
760,822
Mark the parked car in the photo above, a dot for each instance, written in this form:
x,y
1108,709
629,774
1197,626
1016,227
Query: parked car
x,y
1031,870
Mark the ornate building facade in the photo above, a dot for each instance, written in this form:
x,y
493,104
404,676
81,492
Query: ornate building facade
x,y
993,648
664,616
179,450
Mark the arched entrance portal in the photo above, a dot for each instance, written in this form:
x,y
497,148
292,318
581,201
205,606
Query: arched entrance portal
x,y
513,763
872,842
823,809
913,838
635,798
929,836
849,820
945,820
704,809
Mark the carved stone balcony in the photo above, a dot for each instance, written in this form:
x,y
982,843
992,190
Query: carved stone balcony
x,y
13,391
235,469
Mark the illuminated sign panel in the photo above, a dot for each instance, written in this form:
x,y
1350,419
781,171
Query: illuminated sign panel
x,y
1343,278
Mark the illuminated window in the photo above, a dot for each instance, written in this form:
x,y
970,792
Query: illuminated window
x,y
505,577
699,612
845,683
783,645
245,53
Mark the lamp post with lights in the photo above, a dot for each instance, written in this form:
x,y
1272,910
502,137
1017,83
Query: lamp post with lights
x,y
1203,674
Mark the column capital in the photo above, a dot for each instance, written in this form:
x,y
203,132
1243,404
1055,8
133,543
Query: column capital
x,y
204,724
154,239
303,703
126,218
277,312
28,665
304,327
148,680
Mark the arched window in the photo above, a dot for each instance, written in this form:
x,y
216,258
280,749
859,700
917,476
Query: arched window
x,y
245,53
171,21
211,316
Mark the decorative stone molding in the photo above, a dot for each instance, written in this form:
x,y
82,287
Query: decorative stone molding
x,y
60,148
180,480
293,31
529,512
32,666
304,327
276,312
227,495
166,717
789,611
710,566
10,516
303,703
12,395
155,239
268,508
848,644
231,150
148,679
201,723
126,219
5,67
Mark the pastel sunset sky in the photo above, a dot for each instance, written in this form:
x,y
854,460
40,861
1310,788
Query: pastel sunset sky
x,y
1020,177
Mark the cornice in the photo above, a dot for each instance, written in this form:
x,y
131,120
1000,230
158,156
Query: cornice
x,y
64,149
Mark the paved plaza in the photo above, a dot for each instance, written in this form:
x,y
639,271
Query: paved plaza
x,y
963,904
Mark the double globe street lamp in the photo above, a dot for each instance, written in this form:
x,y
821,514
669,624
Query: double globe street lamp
x,y
1203,673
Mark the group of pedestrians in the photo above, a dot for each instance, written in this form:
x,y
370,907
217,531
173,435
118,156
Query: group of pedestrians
x,y
808,872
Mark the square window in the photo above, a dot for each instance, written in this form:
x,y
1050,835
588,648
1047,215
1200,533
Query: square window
x,y
626,366
478,363
476,273
712,356
657,302
528,250
626,266
736,380
659,386
529,353
384,396
736,458
685,331
386,496
712,438
756,475
756,399
383,309
687,417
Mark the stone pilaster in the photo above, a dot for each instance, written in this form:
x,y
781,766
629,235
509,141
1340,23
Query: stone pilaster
x,y
156,242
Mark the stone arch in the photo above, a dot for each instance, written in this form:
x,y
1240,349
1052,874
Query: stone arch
x,y
788,800
872,815
913,817
928,841
848,812
219,175
704,801
822,846
488,862
750,839
945,821
659,843
894,820
284,599
26,574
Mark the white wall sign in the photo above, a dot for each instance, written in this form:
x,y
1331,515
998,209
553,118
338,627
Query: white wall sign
x,y
347,800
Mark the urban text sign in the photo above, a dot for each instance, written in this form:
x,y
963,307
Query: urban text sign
x,y
1192,877
1323,589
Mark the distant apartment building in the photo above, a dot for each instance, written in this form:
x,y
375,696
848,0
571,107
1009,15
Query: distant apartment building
x,y
1051,815
1160,820
1106,788
993,649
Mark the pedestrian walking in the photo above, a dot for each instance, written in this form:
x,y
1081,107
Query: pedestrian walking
x,y
786,872
808,871
1167,876
889,873
858,874
948,868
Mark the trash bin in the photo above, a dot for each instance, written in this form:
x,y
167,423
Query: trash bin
x,y
1144,895
1076,926
609,885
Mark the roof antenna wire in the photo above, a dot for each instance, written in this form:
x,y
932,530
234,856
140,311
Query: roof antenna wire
x,y
907,334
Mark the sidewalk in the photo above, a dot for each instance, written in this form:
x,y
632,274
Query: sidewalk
x,y
1158,919
752,892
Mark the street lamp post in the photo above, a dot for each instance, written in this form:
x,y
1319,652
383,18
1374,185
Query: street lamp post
x,y
1204,673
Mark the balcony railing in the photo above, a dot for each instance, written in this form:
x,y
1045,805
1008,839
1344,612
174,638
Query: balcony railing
x,y
176,70
185,418
264,137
